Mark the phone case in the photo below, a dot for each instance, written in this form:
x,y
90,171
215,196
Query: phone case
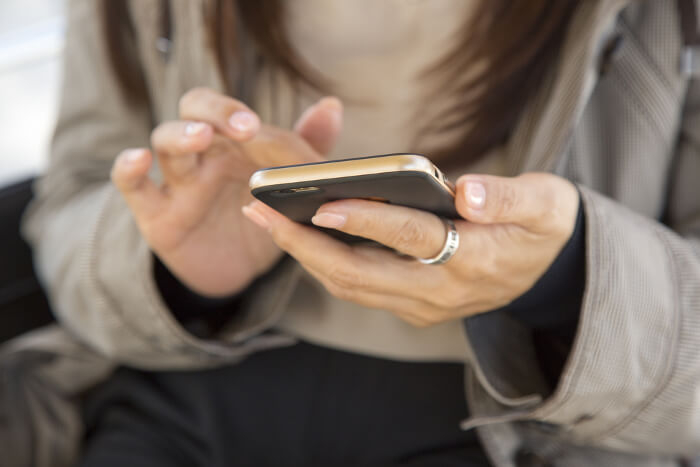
x,y
423,188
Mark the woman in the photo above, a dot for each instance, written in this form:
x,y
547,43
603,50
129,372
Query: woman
x,y
336,355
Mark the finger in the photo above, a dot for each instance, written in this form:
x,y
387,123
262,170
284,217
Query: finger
x,y
320,124
415,233
534,201
346,266
409,231
178,143
229,116
130,176
274,147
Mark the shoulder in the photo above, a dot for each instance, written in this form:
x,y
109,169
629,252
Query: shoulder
x,y
652,32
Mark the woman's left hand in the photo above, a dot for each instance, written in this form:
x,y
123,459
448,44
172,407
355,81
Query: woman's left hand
x,y
511,232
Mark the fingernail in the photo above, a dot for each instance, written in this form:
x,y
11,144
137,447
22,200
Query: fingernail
x,y
335,106
257,218
195,128
475,194
244,122
133,156
329,220
332,102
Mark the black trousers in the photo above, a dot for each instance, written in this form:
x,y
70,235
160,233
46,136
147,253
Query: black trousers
x,y
298,406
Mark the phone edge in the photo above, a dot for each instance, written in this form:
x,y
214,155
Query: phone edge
x,y
308,173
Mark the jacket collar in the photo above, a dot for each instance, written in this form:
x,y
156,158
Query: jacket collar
x,y
543,133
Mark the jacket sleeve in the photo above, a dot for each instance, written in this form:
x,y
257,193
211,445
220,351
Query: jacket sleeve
x,y
632,379
90,256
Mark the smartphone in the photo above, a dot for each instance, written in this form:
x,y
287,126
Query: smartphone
x,y
410,180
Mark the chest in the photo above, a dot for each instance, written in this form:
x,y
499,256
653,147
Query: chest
x,y
617,135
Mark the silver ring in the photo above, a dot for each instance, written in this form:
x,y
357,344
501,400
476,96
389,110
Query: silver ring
x,y
450,247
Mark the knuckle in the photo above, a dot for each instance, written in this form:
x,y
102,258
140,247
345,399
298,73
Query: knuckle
x,y
441,316
417,322
420,317
507,200
347,278
340,292
450,299
159,136
191,97
546,199
220,147
562,201
545,209
408,318
487,267
552,222
409,234
282,240
433,318
283,144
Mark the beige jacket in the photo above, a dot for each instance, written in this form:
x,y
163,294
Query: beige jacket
x,y
629,393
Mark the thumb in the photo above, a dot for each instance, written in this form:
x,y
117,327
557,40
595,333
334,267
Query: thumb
x,y
535,201
320,124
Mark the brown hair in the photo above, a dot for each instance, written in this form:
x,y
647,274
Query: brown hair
x,y
515,41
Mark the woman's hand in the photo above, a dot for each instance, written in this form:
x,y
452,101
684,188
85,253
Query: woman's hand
x,y
512,231
193,220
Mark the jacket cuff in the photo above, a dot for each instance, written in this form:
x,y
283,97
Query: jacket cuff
x,y
623,348
200,315
205,317
551,308
137,328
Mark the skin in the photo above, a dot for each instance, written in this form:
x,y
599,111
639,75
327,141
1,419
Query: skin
x,y
511,231
205,226
193,221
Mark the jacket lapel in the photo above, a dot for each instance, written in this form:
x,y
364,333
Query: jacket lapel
x,y
538,144
543,133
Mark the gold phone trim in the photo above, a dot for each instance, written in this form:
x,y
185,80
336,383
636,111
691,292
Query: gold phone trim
x,y
309,173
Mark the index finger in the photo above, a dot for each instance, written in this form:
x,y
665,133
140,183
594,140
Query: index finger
x,y
349,267
229,116
264,145
409,231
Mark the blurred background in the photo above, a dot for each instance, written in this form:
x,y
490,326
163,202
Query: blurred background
x,y
31,42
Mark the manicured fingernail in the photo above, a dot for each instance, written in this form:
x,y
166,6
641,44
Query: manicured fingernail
x,y
244,122
329,220
256,217
475,194
195,128
133,156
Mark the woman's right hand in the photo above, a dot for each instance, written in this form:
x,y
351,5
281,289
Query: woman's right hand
x,y
193,220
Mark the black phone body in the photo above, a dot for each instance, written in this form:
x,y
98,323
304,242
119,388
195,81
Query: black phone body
x,y
410,180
